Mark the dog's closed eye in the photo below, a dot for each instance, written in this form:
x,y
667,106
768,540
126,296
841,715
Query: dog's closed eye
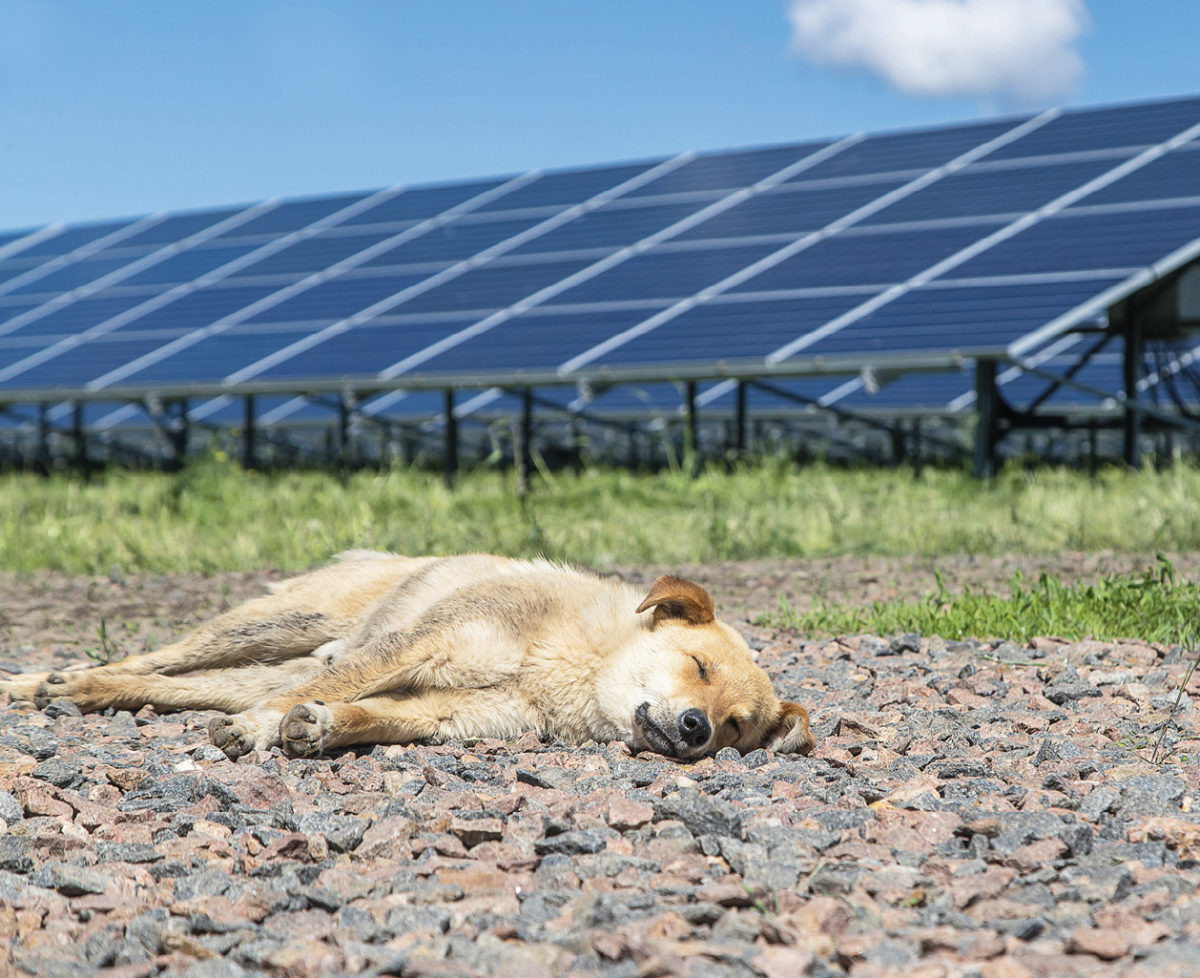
x,y
700,666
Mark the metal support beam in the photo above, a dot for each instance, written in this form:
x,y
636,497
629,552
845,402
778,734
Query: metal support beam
x,y
987,405
249,434
450,452
41,458
181,434
79,437
524,458
739,420
691,443
343,428
1131,374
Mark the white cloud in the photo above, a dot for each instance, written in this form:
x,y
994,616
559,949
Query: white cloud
x,y
1012,49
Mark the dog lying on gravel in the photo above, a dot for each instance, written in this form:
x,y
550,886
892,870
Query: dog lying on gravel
x,y
383,649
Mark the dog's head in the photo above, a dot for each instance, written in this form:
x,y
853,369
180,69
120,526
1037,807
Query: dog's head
x,y
693,686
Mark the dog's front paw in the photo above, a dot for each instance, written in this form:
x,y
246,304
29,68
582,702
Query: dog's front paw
x,y
58,686
306,729
240,734
22,688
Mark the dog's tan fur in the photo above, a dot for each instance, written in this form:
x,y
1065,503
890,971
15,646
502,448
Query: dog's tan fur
x,y
380,648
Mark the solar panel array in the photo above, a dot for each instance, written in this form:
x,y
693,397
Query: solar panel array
x,y
988,239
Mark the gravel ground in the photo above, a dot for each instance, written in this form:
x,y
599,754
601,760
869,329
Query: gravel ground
x,y
973,808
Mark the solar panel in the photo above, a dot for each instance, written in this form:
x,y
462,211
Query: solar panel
x,y
989,238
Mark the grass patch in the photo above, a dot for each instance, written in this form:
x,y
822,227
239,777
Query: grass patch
x,y
213,516
1154,606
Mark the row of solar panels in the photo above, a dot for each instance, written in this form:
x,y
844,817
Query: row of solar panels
x,y
966,240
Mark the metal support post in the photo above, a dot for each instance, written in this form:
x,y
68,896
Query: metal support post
x,y
450,453
524,457
79,437
691,443
739,421
987,404
249,434
1132,371
41,458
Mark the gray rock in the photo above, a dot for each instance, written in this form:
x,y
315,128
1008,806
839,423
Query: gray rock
x,y
147,929
404,920
206,882
570,843
908,642
61,772
16,853
1056,749
837,879
1098,801
702,815
10,809
61,708
71,880
1154,794
344,833
215,968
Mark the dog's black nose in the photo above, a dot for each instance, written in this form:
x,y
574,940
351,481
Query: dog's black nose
x,y
694,727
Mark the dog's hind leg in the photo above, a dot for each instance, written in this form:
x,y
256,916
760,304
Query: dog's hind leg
x,y
231,690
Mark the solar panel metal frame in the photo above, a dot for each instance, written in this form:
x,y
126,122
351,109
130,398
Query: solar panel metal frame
x,y
388,386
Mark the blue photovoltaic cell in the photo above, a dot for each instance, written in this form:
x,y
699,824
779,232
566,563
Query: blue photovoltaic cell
x,y
865,258
422,203
1105,372
213,358
178,227
70,276
975,193
906,151
610,227
414,404
452,242
365,352
293,215
10,236
567,187
201,307
232,412
8,312
187,265
758,399
967,318
85,362
541,339
731,330
1092,129
77,316
663,273
929,391
494,286
71,238
792,209
727,171
1075,242
314,254
1177,174
335,299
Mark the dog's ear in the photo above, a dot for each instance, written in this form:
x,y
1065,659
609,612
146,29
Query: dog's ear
x,y
790,734
675,598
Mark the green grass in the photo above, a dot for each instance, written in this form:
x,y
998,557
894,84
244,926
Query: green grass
x,y
1154,606
214,517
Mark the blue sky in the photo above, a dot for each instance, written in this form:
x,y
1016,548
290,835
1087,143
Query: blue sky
x,y
126,107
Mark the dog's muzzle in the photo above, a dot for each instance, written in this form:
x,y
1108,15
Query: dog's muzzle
x,y
688,734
